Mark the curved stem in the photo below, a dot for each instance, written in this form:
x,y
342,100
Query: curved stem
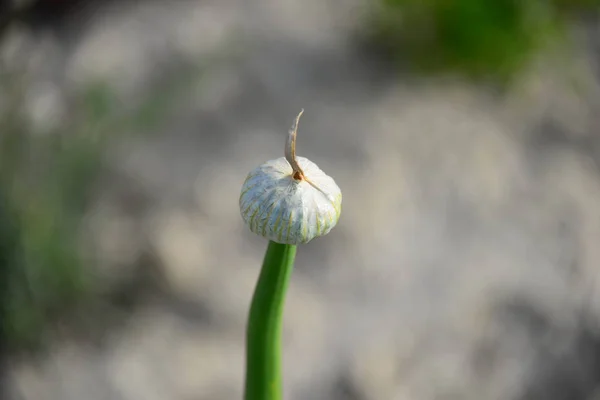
x,y
263,334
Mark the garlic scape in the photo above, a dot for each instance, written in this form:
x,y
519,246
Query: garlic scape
x,y
290,200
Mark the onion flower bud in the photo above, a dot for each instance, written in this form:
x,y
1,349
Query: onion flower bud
x,y
290,200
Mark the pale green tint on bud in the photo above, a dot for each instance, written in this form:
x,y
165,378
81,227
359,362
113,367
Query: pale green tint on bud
x,y
290,202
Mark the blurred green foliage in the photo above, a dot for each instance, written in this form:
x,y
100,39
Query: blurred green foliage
x,y
44,184
47,183
476,38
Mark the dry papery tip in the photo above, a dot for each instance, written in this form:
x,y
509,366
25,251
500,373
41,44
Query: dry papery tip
x,y
290,150
290,155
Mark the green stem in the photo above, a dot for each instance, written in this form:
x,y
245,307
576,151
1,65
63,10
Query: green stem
x,y
263,335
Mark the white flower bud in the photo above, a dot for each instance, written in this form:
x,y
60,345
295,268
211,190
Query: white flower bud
x,y
290,200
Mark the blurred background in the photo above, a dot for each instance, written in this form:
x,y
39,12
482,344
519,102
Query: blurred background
x,y
465,136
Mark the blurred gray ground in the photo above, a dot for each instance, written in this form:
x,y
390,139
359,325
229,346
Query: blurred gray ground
x,y
467,247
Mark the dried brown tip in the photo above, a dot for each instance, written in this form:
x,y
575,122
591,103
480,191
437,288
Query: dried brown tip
x,y
290,155
290,150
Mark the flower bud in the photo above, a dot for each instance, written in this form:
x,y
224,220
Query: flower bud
x,y
290,200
